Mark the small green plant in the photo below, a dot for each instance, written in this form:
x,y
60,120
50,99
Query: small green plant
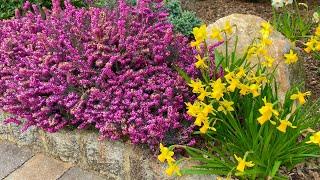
x,y
183,21
289,19
249,131
111,3
7,8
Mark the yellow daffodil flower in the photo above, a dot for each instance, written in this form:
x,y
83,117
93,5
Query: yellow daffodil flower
x,y
254,89
193,109
217,89
196,86
317,47
291,57
201,118
284,124
205,127
266,112
173,169
233,84
266,29
225,106
166,154
196,44
229,76
200,33
241,72
261,51
266,42
203,94
216,34
251,51
201,63
317,32
310,45
300,96
268,61
207,109
257,79
315,138
242,163
228,28
244,89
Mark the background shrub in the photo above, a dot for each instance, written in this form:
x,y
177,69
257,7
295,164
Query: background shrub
x,y
7,7
185,22
182,20
109,68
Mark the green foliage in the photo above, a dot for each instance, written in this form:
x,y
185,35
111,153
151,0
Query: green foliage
x,y
290,21
174,7
7,7
111,3
268,147
248,131
183,21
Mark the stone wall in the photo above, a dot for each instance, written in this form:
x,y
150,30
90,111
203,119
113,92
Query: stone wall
x,y
113,159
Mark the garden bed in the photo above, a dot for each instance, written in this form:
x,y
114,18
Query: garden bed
x,y
211,10
125,74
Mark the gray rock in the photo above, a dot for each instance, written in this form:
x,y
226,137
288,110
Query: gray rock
x,y
248,27
11,158
76,173
26,138
64,144
105,157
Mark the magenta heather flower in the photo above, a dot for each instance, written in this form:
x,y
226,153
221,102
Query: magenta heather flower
x,y
113,69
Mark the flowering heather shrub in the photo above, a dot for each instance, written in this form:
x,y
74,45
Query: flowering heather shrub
x,y
7,7
110,68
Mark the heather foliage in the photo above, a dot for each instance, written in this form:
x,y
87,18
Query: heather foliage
x,y
183,21
113,69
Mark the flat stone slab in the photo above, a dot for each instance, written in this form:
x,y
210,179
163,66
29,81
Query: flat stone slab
x,y
76,173
40,167
11,158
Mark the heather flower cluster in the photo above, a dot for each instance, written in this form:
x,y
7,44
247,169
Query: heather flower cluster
x,y
113,69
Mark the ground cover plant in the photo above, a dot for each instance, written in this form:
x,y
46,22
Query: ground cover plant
x,y
248,130
183,20
113,69
8,7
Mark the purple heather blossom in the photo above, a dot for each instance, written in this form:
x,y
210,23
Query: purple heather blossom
x,y
112,69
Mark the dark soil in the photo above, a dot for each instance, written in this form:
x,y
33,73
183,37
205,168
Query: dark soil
x,y
211,10
312,68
